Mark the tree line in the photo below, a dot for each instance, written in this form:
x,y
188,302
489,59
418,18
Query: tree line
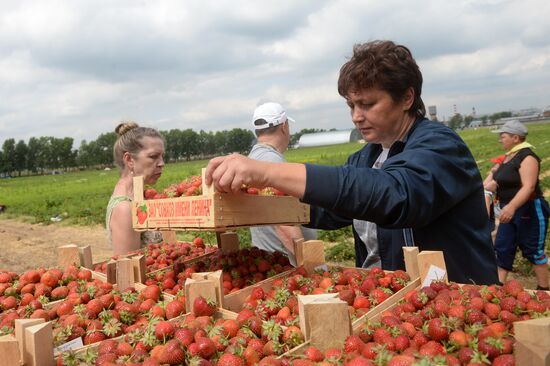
x,y
47,153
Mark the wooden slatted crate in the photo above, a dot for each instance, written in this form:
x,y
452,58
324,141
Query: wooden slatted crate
x,y
214,211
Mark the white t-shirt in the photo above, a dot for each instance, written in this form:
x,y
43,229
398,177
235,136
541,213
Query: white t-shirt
x,y
367,230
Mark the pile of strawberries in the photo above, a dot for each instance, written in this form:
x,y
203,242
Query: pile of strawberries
x,y
191,186
25,296
164,255
443,324
240,269
362,289
204,337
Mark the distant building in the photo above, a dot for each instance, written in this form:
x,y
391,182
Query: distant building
x,y
476,123
432,111
546,112
523,119
329,138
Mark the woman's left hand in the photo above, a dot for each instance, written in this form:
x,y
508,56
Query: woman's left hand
x,y
506,214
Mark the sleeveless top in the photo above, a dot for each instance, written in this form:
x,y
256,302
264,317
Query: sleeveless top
x,y
147,237
508,178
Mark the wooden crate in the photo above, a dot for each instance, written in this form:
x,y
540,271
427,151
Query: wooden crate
x,y
214,211
234,301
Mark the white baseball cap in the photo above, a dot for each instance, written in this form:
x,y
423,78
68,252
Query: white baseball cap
x,y
268,115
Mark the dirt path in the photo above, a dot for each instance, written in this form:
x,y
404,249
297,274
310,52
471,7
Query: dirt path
x,y
24,246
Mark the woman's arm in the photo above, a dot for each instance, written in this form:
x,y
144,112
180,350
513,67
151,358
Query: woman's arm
x,y
528,172
124,238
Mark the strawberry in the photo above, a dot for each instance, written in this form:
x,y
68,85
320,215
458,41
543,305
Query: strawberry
x,y
203,307
353,343
150,292
174,308
257,294
401,360
512,287
437,330
93,337
504,360
124,349
432,348
206,347
164,330
314,354
230,328
491,310
228,359
172,353
107,346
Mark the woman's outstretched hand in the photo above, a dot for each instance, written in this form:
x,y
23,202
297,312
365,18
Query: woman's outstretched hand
x,y
229,173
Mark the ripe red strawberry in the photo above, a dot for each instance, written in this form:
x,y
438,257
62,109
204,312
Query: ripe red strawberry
x,y
504,360
353,343
401,360
172,353
107,346
93,337
512,287
174,308
475,316
164,330
508,303
206,347
508,317
459,338
228,359
437,330
203,307
464,355
257,294
491,310
314,354
124,349
150,292
432,348
198,242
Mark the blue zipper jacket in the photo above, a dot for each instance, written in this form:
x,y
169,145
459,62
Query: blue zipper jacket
x,y
428,192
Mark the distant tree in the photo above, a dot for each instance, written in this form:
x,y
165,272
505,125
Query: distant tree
x,y
173,144
456,121
239,140
8,150
220,141
468,120
104,148
32,154
2,163
20,159
189,143
66,156
484,120
207,143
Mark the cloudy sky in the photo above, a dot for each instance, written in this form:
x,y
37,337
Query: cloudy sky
x,y
77,68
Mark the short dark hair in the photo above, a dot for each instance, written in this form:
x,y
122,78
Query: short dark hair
x,y
386,66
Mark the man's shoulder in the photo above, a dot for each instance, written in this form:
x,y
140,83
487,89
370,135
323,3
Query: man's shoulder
x,y
262,152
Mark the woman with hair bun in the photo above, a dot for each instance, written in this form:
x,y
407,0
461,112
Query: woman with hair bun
x,y
137,151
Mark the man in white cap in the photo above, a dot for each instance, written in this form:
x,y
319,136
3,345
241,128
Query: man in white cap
x,y
271,125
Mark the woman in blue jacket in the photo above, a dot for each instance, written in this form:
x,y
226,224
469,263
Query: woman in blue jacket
x,y
414,183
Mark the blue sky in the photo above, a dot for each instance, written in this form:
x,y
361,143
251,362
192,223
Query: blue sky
x,y
77,68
